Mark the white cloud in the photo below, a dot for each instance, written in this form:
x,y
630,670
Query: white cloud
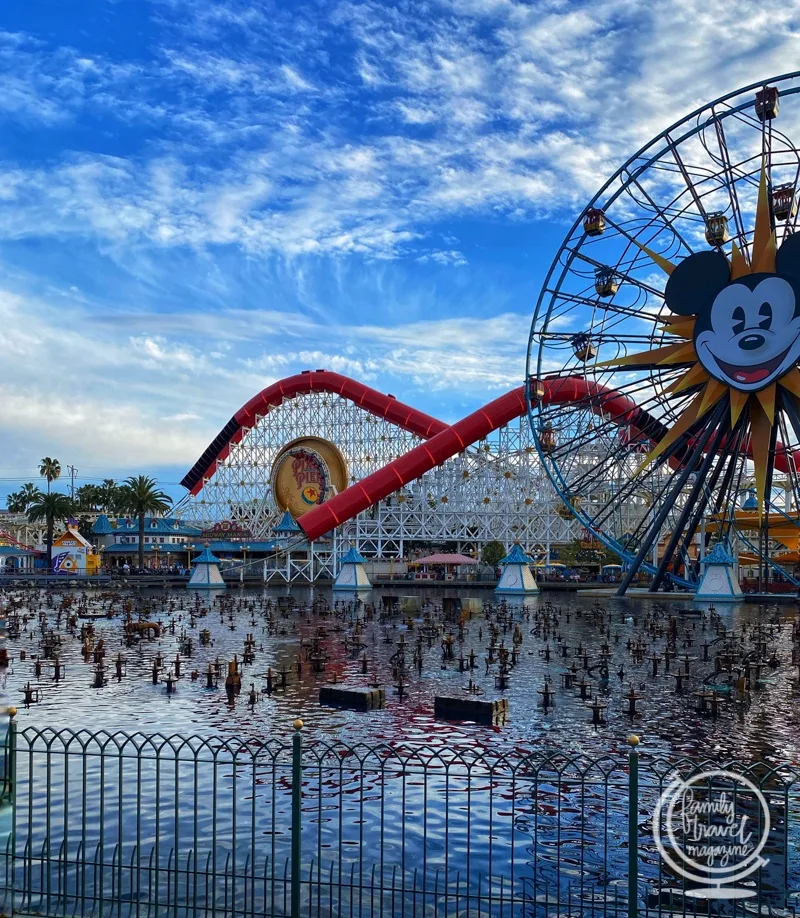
x,y
420,115
344,132
103,396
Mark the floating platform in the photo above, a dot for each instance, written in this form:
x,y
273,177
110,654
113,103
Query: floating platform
x,y
410,604
355,699
482,712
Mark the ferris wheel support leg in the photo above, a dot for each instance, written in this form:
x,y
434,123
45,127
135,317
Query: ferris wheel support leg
x,y
693,507
730,467
658,522
763,535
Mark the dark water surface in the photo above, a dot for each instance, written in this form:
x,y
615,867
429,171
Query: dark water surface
x,y
436,801
769,729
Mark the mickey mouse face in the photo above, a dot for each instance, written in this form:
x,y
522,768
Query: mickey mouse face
x,y
754,333
747,332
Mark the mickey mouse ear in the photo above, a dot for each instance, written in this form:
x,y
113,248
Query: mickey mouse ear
x,y
787,260
695,282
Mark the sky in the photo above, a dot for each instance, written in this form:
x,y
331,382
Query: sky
x,y
200,197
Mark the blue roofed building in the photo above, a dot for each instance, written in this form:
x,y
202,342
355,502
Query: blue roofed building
x,y
170,541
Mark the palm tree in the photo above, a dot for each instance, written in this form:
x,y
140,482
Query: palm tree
x,y
50,507
49,469
139,495
89,497
15,503
29,493
109,495
19,501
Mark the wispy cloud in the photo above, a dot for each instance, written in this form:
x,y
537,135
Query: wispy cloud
x,y
227,193
354,126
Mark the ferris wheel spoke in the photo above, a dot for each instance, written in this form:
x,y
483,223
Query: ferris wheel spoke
x,y
636,481
726,501
790,412
730,183
763,547
671,212
634,241
578,299
620,270
659,211
689,184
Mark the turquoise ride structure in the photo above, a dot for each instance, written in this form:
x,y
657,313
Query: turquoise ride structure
x,y
206,573
352,575
516,578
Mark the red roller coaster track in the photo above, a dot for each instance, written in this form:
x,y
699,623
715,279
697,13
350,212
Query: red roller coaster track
x,y
442,441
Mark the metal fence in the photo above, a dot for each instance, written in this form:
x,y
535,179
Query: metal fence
x,y
133,825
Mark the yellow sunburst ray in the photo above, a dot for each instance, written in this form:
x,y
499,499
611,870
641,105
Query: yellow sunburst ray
x,y
713,392
791,381
739,265
763,238
760,428
684,353
766,398
666,266
694,376
765,260
680,352
678,429
680,325
738,401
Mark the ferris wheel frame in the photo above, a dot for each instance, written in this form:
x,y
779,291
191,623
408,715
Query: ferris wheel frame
x,y
634,168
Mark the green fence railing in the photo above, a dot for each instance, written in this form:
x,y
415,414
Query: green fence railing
x,y
172,827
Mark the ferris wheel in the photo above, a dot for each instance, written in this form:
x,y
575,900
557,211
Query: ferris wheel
x,y
662,379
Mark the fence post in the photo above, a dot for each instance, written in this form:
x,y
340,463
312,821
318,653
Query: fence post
x,y
297,779
8,801
633,827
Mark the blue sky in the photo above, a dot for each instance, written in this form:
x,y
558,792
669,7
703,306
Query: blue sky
x,y
198,198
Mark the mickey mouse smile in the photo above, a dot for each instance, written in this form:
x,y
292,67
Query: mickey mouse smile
x,y
752,375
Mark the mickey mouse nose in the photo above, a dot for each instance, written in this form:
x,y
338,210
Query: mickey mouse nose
x,y
751,342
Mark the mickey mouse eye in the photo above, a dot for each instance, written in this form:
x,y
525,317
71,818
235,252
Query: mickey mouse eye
x,y
739,320
765,312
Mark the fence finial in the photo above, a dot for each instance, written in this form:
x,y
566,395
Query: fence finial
x,y
298,724
633,740
11,711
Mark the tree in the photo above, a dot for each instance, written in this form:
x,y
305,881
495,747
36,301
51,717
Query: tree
x,y
50,469
14,502
139,495
109,496
580,552
493,553
89,497
19,501
50,507
85,528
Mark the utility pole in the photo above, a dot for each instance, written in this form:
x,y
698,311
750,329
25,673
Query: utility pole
x,y
72,473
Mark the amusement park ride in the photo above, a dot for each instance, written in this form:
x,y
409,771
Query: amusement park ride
x,y
319,440
661,407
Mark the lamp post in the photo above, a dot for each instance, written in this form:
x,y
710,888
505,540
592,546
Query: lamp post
x,y
245,549
189,550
